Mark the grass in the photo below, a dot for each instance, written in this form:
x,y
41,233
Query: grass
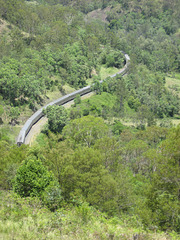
x,y
97,102
105,99
106,72
9,133
172,121
55,93
175,121
51,95
41,139
68,89
173,83
26,218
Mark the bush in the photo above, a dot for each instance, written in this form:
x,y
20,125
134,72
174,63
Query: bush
x,y
118,127
52,196
32,178
57,118
77,100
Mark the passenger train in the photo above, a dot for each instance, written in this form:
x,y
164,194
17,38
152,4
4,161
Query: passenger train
x,y
37,115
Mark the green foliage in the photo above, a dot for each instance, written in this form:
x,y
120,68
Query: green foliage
x,y
153,135
92,173
97,105
52,47
85,130
97,86
56,154
14,113
57,118
1,110
90,180
148,32
112,58
32,179
111,175
48,43
163,194
10,158
27,219
145,92
134,103
82,174
19,80
117,128
52,196
77,100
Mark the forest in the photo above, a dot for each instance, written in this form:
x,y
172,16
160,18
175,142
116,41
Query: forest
x,y
108,167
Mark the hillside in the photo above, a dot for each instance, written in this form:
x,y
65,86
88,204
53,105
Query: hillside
x,y
108,166
28,220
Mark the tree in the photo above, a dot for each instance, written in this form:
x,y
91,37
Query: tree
x,y
56,154
133,155
121,93
152,135
163,194
57,118
77,100
97,86
14,113
85,130
110,151
134,103
118,127
84,175
32,178
58,33
1,113
142,116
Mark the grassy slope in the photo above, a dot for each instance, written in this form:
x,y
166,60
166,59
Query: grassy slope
x,y
28,219
106,72
173,83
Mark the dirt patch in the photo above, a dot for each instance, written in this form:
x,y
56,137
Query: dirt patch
x,y
99,14
3,26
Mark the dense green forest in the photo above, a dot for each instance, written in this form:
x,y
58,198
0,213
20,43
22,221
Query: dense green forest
x,y
109,166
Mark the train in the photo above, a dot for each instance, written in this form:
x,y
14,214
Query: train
x,y
60,101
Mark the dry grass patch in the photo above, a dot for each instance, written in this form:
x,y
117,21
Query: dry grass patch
x,y
100,14
173,83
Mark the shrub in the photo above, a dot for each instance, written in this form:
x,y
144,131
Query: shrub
x,y
52,196
32,178
57,118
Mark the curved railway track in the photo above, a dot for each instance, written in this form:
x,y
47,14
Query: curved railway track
x,y
26,129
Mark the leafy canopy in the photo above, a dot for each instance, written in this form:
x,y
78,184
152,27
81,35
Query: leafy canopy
x,y
32,178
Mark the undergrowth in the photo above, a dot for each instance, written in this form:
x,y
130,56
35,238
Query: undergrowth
x,y
27,218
